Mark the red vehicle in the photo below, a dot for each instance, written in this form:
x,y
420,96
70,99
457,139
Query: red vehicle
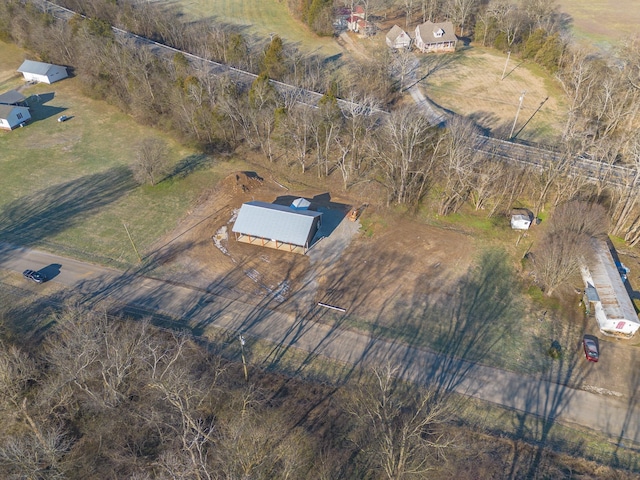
x,y
590,346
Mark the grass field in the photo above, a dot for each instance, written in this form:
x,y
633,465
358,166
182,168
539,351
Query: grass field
x,y
262,17
470,83
602,22
68,184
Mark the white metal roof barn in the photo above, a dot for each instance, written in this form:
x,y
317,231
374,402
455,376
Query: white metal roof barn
x,y
605,289
276,226
42,72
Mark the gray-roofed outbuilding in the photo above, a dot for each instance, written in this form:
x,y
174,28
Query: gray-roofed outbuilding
x,y
276,226
42,72
13,97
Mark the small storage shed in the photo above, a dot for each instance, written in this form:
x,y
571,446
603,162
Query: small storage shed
x,y
276,226
520,221
605,291
12,116
13,97
42,72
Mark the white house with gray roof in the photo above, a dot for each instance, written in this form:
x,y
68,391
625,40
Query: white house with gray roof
x,y
436,37
12,116
276,226
42,72
397,38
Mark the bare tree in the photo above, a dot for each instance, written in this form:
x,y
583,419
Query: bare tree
x,y
457,165
405,154
567,242
359,124
34,454
459,11
401,431
96,356
297,134
151,161
17,371
430,9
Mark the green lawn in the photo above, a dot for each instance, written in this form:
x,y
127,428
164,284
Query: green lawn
x,y
67,186
262,17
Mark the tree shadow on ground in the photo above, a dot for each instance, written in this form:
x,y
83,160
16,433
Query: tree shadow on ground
x,y
43,214
544,401
466,325
189,165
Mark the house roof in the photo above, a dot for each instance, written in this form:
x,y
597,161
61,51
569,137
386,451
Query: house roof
x,y
611,291
11,97
394,33
429,29
5,110
37,68
300,203
276,222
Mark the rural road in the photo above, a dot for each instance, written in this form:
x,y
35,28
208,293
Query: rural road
x,y
616,417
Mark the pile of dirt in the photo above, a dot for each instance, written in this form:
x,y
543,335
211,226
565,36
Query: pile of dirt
x,y
242,182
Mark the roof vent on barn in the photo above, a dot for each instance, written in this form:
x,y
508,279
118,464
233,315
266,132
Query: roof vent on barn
x,y
300,204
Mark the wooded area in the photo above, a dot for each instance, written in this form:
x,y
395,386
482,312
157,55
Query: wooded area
x,y
104,397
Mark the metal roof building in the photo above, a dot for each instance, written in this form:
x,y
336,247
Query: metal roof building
x,y
276,226
13,97
605,289
42,72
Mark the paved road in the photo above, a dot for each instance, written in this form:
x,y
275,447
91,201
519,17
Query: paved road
x,y
617,417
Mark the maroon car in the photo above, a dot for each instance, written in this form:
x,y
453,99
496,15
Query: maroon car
x,y
590,345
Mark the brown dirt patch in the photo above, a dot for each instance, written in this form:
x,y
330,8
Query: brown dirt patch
x,y
394,261
405,265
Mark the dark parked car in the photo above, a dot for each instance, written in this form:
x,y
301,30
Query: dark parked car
x,y
35,276
590,346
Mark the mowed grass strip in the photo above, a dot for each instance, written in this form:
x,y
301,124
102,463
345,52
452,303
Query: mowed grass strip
x,y
262,18
67,186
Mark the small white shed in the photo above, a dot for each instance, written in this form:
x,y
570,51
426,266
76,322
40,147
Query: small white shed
x,y
12,116
520,221
42,72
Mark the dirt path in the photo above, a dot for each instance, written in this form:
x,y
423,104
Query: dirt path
x,y
347,42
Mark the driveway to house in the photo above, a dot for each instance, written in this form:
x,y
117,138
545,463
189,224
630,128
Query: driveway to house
x,y
618,417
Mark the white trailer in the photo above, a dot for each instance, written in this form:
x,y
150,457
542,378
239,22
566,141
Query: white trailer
x,y
605,290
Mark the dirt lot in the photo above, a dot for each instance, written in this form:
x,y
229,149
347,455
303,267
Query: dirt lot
x,y
355,270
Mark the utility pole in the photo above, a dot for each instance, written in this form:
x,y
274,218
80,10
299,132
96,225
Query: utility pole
x,y
244,361
505,65
132,244
515,120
